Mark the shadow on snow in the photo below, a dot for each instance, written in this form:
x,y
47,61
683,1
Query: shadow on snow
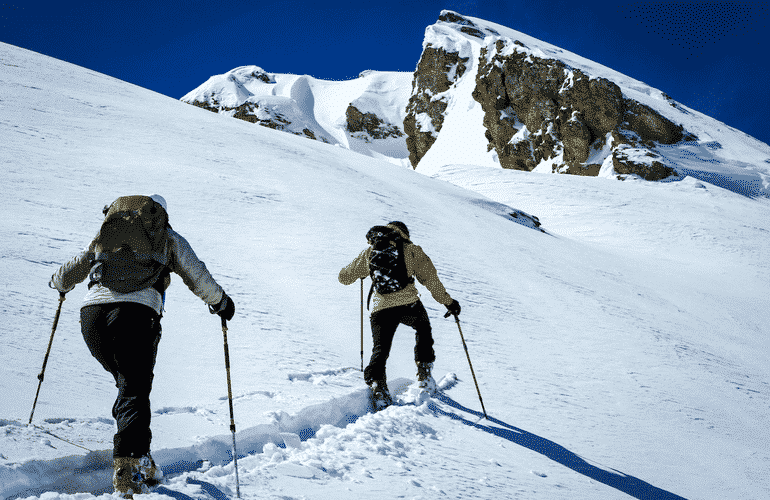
x,y
627,484
209,488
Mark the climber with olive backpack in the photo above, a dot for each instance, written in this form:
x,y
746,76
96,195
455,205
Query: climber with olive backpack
x,y
128,264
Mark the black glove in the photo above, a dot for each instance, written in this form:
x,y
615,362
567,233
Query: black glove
x,y
225,308
453,308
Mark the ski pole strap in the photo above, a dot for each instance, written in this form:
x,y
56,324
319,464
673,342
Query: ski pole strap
x,y
369,298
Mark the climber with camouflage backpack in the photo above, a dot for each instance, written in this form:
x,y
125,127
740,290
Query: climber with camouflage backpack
x,y
128,264
393,261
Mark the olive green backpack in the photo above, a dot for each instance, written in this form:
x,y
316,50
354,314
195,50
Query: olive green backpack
x,y
130,251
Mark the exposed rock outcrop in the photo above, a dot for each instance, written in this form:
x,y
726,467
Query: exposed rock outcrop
x,y
370,123
537,110
563,113
212,105
650,126
261,115
436,72
466,25
245,93
644,165
262,112
576,136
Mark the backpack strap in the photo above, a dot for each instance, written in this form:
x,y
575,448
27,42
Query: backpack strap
x,y
402,257
371,291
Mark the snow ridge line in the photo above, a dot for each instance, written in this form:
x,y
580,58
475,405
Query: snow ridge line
x,y
307,376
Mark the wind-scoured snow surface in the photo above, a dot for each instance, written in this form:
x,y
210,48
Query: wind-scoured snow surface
x,y
722,155
622,353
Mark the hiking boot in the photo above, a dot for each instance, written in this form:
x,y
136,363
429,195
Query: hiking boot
x,y
126,479
150,472
424,378
132,476
381,394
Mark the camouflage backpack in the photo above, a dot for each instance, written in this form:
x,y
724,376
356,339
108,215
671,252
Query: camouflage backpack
x,y
130,247
387,266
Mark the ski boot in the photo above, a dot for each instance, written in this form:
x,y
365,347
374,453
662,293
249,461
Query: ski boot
x,y
380,395
425,380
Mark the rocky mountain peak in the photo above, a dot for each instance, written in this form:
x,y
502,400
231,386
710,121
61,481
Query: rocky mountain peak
x,y
465,25
536,109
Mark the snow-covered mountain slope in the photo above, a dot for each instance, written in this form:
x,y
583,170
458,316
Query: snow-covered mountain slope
x,y
622,353
488,95
365,115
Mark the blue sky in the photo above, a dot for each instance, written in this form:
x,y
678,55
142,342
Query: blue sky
x,y
708,55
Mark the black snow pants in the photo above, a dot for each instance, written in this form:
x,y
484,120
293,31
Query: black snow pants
x,y
124,338
384,323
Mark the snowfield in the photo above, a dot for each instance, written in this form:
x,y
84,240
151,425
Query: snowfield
x,y
622,352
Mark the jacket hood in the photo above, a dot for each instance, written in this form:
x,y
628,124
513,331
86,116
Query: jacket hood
x,y
403,234
161,200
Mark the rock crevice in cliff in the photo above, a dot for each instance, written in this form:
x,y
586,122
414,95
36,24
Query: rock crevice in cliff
x,y
435,74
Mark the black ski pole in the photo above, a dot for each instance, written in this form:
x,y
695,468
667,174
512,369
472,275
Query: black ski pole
x,y
362,324
230,399
41,375
457,320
